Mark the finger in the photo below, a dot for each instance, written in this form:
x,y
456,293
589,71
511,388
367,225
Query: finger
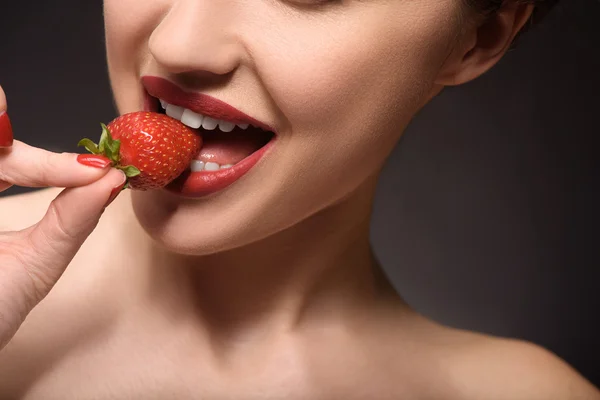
x,y
42,252
6,135
30,166
70,219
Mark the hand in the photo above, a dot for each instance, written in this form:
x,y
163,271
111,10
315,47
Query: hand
x,y
33,259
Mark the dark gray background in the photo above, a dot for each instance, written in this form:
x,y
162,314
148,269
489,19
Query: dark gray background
x,y
487,213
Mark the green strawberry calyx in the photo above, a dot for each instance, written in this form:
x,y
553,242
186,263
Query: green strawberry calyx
x,y
110,148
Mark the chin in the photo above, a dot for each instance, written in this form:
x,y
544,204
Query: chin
x,y
188,228
204,227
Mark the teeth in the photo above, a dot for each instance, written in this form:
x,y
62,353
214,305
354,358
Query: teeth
x,y
211,166
197,166
191,119
175,111
195,120
209,123
226,126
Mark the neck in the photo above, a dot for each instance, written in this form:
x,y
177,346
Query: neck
x,y
321,268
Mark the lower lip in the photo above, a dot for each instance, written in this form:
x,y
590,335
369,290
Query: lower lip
x,y
203,183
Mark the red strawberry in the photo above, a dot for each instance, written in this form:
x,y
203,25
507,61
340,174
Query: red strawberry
x,y
152,149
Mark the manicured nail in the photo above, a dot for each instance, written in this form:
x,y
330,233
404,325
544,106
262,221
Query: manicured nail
x,y
93,160
6,133
115,192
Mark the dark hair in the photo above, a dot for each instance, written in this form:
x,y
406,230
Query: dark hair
x,y
488,7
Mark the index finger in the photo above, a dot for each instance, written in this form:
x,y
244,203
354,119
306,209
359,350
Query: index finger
x,y
26,165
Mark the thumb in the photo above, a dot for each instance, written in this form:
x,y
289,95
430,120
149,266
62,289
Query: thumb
x,y
70,219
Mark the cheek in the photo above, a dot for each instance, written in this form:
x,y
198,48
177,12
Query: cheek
x,y
349,86
354,62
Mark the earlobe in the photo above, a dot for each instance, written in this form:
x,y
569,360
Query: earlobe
x,y
484,45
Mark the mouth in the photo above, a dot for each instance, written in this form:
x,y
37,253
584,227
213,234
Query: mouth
x,y
233,142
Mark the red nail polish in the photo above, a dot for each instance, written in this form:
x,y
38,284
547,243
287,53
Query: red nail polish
x,y
6,133
114,193
93,160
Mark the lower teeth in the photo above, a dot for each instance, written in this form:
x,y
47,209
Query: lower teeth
x,y
197,166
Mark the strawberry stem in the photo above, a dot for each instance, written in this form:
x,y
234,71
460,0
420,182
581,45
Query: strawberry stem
x,y
89,145
130,170
111,149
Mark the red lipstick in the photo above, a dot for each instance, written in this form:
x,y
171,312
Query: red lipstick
x,y
203,183
198,184
198,102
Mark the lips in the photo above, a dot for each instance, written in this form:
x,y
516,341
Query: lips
x,y
200,103
198,184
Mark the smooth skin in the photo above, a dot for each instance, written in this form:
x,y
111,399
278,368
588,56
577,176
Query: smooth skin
x,y
268,289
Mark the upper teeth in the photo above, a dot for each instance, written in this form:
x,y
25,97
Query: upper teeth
x,y
195,120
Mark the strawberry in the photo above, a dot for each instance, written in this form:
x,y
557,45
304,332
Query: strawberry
x,y
152,149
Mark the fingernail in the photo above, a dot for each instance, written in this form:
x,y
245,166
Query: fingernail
x,y
6,133
115,192
93,160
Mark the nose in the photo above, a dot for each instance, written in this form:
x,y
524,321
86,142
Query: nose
x,y
197,36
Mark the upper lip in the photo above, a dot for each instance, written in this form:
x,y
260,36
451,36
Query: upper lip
x,y
198,102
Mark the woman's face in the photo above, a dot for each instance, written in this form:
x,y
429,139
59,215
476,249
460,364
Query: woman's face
x,y
338,81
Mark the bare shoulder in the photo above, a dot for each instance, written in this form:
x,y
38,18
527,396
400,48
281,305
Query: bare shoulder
x,y
22,210
503,369
456,364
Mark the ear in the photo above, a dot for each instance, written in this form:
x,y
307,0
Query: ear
x,y
483,45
